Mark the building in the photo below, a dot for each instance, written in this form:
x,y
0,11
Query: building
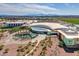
x,y
70,36
13,24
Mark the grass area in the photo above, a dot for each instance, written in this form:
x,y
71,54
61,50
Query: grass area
x,y
71,20
1,31
19,28
13,29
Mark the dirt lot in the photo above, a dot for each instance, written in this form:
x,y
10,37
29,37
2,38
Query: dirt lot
x,y
55,50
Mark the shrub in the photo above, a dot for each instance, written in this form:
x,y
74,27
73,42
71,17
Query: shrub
x,y
6,50
1,47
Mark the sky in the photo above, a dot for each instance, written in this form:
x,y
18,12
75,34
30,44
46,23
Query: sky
x,y
39,9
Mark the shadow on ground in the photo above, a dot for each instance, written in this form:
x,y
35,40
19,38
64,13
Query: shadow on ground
x,y
69,50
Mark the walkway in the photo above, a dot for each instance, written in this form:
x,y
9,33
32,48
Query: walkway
x,y
39,38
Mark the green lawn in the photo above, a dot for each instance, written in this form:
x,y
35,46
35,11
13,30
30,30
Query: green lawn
x,y
72,20
13,29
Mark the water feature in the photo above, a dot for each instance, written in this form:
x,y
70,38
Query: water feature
x,y
26,35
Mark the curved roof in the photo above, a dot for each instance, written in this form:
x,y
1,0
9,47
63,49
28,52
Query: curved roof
x,y
54,26
40,28
50,25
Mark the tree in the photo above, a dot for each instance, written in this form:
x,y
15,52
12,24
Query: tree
x,y
1,47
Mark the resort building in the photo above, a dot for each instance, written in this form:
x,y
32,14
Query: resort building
x,y
13,24
70,36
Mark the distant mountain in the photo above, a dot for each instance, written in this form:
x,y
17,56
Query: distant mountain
x,y
33,15
42,15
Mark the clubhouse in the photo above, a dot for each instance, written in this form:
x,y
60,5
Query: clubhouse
x,y
70,36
